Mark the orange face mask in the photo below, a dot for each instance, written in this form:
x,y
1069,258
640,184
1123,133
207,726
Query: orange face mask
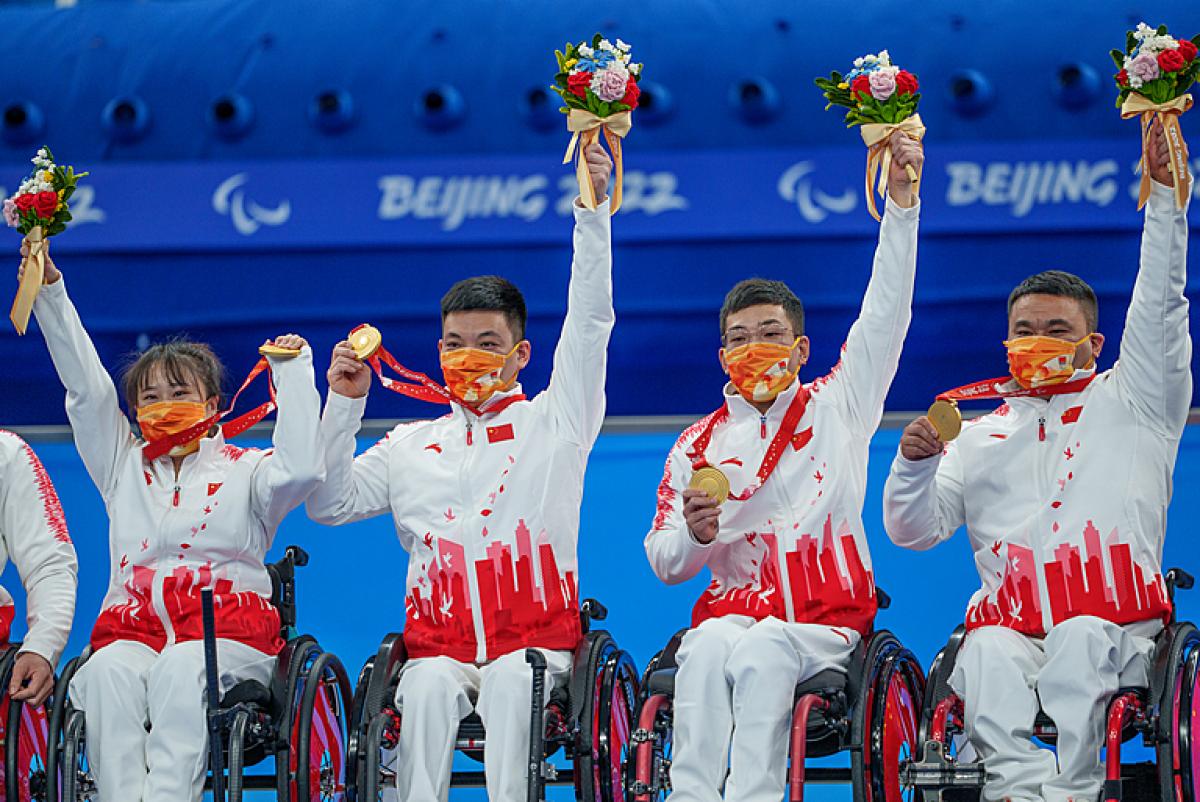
x,y
165,418
760,371
1037,361
473,375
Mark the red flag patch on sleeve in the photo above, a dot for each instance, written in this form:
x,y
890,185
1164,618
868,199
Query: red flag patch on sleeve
x,y
498,434
213,487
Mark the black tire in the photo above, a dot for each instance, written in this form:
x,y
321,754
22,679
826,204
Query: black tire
x,y
237,754
357,732
73,759
297,655
372,790
60,708
324,683
615,722
25,775
885,720
1173,688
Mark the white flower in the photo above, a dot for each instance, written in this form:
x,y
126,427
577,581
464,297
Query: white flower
x,y
622,46
1143,30
607,45
884,58
635,69
870,59
1134,81
858,62
586,51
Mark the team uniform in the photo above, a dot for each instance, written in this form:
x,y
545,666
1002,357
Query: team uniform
x,y
1065,500
792,588
486,504
142,690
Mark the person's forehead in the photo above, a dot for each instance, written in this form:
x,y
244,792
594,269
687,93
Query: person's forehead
x,y
475,321
157,375
755,315
1039,306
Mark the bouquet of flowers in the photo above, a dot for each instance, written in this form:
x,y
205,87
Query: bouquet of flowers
x,y
38,210
598,83
880,98
1155,72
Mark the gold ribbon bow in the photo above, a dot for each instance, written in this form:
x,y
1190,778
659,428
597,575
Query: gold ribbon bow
x,y
879,155
31,280
585,129
1136,105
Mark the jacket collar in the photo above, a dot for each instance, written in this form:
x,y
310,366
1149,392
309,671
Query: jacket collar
x,y
458,413
741,410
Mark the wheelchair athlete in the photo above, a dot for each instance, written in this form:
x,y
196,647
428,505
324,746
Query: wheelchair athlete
x,y
200,515
792,591
33,533
1064,492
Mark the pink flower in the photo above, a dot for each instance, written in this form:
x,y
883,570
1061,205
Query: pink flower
x,y
1144,68
883,84
10,213
609,84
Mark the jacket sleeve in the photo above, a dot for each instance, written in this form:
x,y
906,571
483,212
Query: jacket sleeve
x,y
576,390
674,553
861,380
285,477
35,532
354,488
1153,372
923,501
102,433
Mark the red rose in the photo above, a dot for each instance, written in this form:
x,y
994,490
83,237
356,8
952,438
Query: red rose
x,y
1187,50
1122,78
861,84
578,83
44,203
906,82
24,202
632,93
1170,61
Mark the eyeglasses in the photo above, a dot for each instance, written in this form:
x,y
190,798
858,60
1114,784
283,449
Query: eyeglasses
x,y
766,333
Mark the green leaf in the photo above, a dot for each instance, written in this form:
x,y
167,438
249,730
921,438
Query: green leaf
x,y
1118,58
64,216
68,192
1130,42
1162,30
596,41
565,109
561,59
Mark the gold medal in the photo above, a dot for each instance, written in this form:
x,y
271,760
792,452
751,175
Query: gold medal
x,y
946,418
712,481
271,349
365,340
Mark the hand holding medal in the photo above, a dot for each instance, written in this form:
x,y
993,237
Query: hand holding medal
x,y
38,210
882,99
1155,72
599,87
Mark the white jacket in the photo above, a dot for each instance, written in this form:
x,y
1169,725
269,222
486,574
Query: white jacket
x,y
1065,498
210,528
797,549
33,532
488,507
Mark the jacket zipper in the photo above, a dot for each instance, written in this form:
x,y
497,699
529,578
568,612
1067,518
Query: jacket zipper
x,y
762,427
467,544
470,440
1036,544
1042,429
157,597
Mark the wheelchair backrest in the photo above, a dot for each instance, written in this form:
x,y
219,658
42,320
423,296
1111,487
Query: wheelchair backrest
x,y
283,588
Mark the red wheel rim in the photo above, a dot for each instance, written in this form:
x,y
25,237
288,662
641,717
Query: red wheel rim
x,y
619,730
900,723
32,737
326,750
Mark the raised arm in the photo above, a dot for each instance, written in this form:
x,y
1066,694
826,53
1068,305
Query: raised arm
x,y
923,501
1154,369
102,433
677,552
35,533
871,353
353,488
576,390
285,477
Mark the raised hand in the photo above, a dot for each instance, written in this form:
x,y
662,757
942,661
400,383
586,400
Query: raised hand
x,y
702,514
348,375
51,274
599,168
906,152
920,440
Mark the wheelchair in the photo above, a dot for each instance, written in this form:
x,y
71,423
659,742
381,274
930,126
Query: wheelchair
x,y
1164,714
589,719
870,711
299,720
24,730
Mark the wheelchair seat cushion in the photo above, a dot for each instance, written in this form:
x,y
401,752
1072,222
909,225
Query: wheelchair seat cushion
x,y
249,691
662,682
830,679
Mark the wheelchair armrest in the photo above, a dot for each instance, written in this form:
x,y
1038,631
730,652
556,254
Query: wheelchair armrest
x,y
882,599
1177,578
297,555
390,658
591,610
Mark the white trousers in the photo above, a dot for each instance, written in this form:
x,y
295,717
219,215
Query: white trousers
x,y
436,693
733,703
1002,675
147,735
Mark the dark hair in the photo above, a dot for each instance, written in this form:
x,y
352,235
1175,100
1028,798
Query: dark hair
x,y
759,291
181,361
489,294
1064,285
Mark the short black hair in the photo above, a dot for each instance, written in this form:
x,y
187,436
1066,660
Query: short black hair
x,y
1064,285
489,294
758,291
181,360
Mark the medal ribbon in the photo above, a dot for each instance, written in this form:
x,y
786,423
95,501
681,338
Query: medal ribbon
x,y
424,388
233,428
787,430
989,388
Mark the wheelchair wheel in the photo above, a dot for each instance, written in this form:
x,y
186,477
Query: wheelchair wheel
x,y
356,732
1179,717
382,729
606,697
26,737
60,710
77,785
317,747
886,720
